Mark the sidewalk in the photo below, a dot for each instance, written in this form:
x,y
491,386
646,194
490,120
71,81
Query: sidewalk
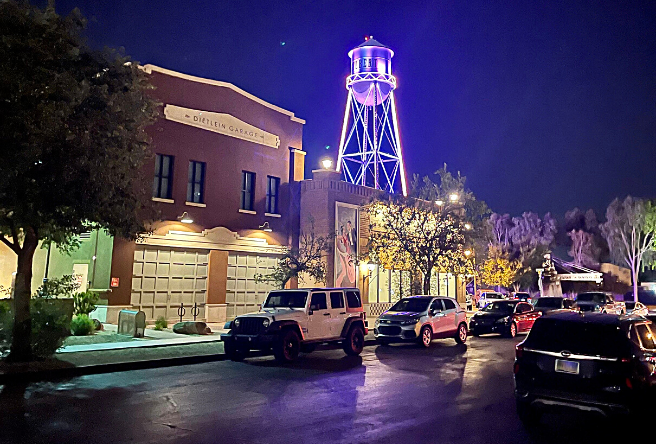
x,y
158,349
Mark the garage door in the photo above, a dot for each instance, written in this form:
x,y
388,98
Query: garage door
x,y
243,294
165,277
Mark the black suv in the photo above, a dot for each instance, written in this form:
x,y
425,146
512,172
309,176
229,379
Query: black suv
x,y
588,361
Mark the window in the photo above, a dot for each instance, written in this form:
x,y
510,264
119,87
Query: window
x,y
247,190
196,182
273,183
646,337
353,299
448,304
318,302
163,176
436,305
336,299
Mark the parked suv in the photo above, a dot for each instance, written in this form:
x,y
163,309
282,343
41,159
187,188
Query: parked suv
x,y
598,301
422,319
489,296
589,361
549,303
291,321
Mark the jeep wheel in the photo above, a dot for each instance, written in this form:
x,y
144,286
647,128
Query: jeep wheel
x,y
232,352
426,336
354,341
461,335
287,346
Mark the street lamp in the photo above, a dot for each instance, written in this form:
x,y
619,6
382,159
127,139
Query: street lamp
x,y
468,253
327,164
439,202
453,197
468,226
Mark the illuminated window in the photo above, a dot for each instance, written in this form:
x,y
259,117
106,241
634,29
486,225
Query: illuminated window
x,y
273,183
247,190
162,183
196,182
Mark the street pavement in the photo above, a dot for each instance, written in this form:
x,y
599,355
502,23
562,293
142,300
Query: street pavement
x,y
395,394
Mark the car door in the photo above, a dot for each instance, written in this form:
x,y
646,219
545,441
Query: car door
x,y
450,313
520,316
437,317
337,313
318,317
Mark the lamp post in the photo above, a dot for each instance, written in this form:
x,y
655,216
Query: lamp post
x,y
540,271
471,253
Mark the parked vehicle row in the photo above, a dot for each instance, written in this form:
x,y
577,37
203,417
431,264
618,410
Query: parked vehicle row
x,y
505,317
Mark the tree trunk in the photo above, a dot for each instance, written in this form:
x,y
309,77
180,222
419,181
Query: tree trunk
x,y
21,344
635,284
427,279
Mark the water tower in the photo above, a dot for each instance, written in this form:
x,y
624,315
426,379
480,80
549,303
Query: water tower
x,y
370,148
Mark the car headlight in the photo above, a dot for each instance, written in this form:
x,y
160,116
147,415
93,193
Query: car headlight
x,y
265,322
504,320
377,323
237,322
409,322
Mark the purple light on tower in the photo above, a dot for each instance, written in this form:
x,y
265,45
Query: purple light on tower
x,y
370,147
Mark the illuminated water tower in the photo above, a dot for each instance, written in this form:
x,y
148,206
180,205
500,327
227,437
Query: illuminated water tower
x,y
370,147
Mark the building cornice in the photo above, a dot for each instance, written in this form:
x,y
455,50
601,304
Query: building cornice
x,y
149,69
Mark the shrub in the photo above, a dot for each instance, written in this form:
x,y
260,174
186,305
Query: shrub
x,y
161,323
50,326
5,307
85,302
63,287
82,325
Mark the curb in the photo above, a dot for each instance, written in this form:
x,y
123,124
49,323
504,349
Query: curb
x,y
62,373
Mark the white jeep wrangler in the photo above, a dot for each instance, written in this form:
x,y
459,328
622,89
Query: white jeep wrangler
x,y
292,321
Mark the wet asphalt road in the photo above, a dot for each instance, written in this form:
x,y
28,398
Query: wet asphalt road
x,y
395,394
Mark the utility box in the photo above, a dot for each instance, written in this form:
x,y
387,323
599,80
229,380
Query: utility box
x,y
131,323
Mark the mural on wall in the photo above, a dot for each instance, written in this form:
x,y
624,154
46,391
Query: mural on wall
x,y
346,244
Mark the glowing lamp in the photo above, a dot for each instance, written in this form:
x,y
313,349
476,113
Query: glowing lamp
x,y
185,218
453,197
439,202
371,266
468,226
327,164
468,253
265,227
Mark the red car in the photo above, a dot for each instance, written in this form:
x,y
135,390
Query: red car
x,y
506,317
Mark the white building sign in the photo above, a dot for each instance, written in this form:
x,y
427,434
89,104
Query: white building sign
x,y
221,123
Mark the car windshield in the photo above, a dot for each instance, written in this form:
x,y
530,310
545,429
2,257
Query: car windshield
x,y
494,296
501,307
597,298
630,305
583,338
549,303
415,305
289,299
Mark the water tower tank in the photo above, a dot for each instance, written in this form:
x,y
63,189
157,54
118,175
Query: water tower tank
x,y
371,64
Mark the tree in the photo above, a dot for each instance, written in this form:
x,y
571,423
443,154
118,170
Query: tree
x,y
308,258
428,229
630,230
498,270
587,244
72,130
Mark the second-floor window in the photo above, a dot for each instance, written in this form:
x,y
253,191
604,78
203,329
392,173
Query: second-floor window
x,y
247,190
163,181
273,183
196,182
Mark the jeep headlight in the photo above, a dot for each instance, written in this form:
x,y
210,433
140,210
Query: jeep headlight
x,y
504,320
237,322
265,322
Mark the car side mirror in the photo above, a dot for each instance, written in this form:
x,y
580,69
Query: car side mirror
x,y
432,312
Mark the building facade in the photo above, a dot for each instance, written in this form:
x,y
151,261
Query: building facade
x,y
224,171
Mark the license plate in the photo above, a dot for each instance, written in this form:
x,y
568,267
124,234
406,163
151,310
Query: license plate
x,y
564,366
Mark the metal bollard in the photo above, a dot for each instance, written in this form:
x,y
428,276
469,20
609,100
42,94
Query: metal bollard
x,y
181,311
195,311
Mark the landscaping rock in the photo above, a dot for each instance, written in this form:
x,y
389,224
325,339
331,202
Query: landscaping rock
x,y
192,328
97,325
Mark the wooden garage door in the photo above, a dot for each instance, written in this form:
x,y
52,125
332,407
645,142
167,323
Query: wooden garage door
x,y
243,295
165,277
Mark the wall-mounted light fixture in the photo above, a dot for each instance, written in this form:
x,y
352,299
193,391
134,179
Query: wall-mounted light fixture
x,y
265,227
327,164
186,218
439,202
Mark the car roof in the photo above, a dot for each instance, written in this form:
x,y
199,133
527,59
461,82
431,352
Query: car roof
x,y
317,289
421,297
592,318
551,297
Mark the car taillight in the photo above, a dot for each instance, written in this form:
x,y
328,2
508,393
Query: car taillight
x,y
516,368
519,350
628,383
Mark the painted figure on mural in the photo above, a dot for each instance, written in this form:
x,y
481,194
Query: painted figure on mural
x,y
346,246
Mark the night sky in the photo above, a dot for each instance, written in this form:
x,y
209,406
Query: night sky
x,y
543,105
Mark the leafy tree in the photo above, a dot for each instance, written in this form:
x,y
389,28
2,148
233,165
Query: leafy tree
x,y
587,244
630,230
72,130
308,259
498,270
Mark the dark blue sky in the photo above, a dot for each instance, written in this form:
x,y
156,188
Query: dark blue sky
x,y
543,105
